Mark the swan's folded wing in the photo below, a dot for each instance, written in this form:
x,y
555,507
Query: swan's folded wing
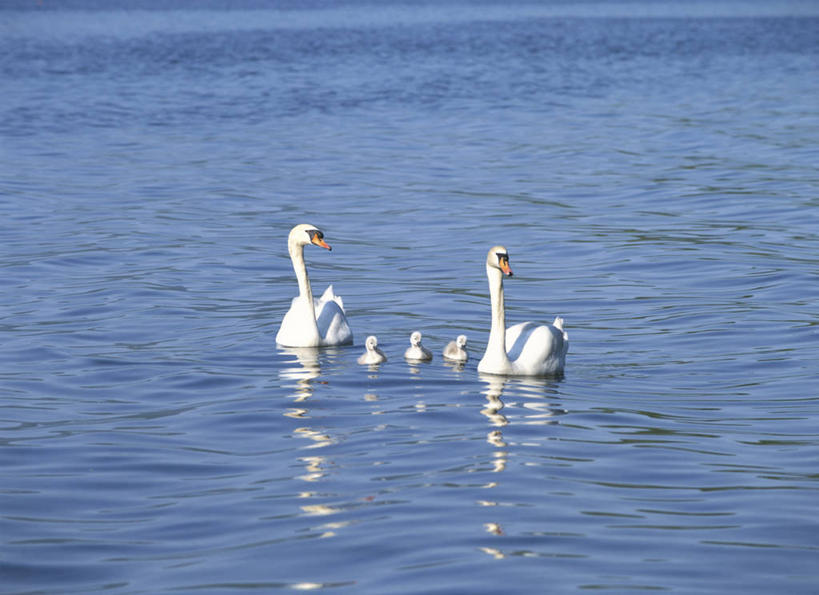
x,y
516,338
330,296
536,349
558,324
332,323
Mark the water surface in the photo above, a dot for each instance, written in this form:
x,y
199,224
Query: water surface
x,y
652,172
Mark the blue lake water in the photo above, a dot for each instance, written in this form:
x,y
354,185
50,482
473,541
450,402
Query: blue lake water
x,y
653,172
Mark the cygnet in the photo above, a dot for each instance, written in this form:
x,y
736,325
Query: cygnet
x,y
416,351
373,355
456,350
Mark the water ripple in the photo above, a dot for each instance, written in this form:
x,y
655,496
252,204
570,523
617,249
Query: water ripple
x,y
654,180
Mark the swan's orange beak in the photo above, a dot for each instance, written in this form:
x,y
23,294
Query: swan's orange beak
x,y
320,242
504,266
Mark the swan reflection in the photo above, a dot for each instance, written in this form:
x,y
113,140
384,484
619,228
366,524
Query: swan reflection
x,y
535,392
319,439
414,368
537,410
455,366
302,370
494,552
533,407
493,392
492,411
300,375
314,467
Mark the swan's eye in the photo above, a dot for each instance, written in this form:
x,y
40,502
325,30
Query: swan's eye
x,y
503,258
316,237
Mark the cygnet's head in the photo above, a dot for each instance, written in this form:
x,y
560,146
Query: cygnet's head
x,y
498,258
415,339
304,234
461,341
371,343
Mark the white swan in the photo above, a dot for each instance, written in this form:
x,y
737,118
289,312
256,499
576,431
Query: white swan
x,y
416,351
373,355
311,322
532,350
456,350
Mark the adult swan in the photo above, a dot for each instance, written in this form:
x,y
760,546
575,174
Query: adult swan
x,y
532,350
311,322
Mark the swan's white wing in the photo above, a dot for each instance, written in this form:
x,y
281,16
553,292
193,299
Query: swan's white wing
x,y
536,349
329,296
516,337
331,320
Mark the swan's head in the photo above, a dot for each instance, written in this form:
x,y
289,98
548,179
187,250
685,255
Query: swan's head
x,y
461,341
498,258
371,343
304,234
415,338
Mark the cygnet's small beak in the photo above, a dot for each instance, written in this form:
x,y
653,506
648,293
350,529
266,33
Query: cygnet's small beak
x,y
320,242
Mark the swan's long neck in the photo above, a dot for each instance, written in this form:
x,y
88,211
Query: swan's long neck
x,y
496,347
305,291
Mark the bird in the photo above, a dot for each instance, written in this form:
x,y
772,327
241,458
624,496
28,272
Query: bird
x,y
525,349
416,351
312,322
373,355
456,350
